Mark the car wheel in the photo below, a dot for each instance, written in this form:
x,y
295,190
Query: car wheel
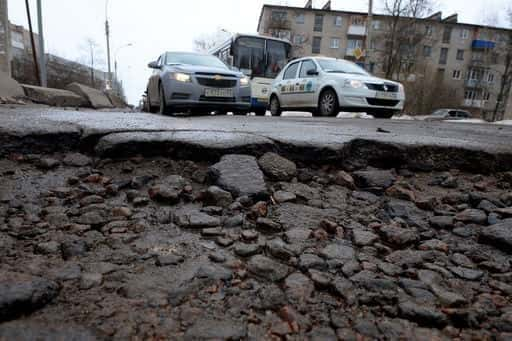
x,y
275,106
149,107
164,109
328,103
382,114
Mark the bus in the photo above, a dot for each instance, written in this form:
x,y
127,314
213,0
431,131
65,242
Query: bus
x,y
260,58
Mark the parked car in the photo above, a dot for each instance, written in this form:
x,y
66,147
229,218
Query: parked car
x,y
326,86
192,82
448,114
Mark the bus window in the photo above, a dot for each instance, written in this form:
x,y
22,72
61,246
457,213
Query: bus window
x,y
250,56
277,57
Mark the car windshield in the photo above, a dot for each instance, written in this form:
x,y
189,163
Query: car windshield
x,y
341,66
439,113
194,59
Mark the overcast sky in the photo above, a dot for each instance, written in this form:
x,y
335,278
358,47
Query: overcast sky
x,y
154,26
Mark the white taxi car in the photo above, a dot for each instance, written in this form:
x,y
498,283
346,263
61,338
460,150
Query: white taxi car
x,y
326,86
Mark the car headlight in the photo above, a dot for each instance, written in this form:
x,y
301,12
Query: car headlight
x,y
244,81
181,77
401,88
353,83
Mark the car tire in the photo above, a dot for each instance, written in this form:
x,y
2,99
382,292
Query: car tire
x,y
384,114
149,107
275,106
164,109
328,104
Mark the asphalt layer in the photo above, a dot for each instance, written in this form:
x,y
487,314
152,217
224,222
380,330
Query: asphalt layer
x,y
420,144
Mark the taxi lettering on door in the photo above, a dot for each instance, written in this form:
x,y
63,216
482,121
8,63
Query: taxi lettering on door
x,y
303,86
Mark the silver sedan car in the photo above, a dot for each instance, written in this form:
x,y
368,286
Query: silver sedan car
x,y
192,82
326,86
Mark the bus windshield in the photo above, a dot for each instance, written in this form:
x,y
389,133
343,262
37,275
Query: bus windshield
x,y
260,57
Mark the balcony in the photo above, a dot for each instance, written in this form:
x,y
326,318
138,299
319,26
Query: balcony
x,y
357,30
351,50
473,103
483,45
473,83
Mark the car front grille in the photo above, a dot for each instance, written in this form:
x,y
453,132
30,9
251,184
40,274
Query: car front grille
x,y
382,102
217,99
386,87
217,83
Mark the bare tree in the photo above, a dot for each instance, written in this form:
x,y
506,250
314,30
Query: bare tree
x,y
403,34
206,42
506,77
92,55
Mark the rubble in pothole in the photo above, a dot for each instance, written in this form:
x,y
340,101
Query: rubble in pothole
x,y
251,249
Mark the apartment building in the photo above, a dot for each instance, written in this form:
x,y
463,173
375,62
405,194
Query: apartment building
x,y
461,64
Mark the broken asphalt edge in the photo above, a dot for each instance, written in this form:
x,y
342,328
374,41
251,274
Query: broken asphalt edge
x,y
353,153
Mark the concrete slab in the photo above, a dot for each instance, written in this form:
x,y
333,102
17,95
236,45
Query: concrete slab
x,y
116,101
9,87
96,98
53,97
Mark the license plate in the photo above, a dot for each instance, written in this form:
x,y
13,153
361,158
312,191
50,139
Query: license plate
x,y
211,92
386,95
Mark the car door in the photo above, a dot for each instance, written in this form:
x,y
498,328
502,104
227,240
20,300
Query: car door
x,y
153,90
287,85
307,83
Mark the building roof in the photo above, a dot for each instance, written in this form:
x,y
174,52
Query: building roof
x,y
433,18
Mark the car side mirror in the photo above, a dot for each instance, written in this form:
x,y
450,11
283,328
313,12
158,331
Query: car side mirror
x,y
312,72
153,65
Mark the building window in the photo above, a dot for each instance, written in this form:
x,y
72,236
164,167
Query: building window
x,y
486,96
464,34
447,35
299,19
357,21
319,23
460,54
376,25
456,74
279,16
338,21
335,43
490,78
353,43
470,95
428,30
443,57
427,51
317,42
494,58
298,39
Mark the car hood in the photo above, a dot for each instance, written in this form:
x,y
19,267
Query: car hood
x,y
203,69
362,78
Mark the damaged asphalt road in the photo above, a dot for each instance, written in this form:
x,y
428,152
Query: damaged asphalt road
x,y
416,144
134,226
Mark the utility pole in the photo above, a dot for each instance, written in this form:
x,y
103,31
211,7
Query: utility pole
x,y
369,33
42,55
34,52
107,33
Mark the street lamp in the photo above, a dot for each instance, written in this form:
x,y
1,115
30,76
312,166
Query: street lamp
x,y
115,61
107,34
